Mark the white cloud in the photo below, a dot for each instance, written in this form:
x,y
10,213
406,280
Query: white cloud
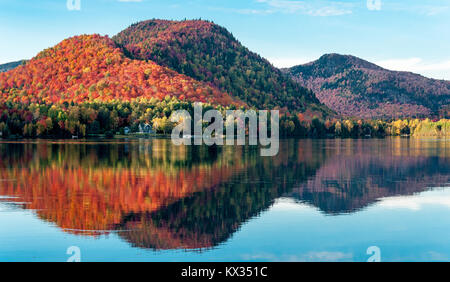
x,y
255,12
328,11
433,11
416,203
437,70
289,204
313,8
287,62
285,5
427,10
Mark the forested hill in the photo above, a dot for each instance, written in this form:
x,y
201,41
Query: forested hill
x,y
354,87
208,52
93,68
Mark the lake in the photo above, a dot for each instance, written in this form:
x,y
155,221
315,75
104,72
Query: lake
x,y
148,200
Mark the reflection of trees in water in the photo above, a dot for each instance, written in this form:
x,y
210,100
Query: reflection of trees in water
x,y
82,192
167,197
210,217
135,154
200,221
360,175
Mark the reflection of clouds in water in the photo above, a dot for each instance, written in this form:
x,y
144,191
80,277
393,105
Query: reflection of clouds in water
x,y
289,204
7,206
323,256
416,202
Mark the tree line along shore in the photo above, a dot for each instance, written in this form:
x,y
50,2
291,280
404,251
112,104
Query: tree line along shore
x,y
68,120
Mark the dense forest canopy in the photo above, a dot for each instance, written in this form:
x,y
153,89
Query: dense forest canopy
x,y
208,52
92,68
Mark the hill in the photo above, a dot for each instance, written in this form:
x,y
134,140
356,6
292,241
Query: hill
x,y
354,87
209,53
10,66
93,68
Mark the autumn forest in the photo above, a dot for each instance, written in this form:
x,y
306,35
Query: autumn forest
x,y
93,85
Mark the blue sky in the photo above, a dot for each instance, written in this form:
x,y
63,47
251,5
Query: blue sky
x,y
403,35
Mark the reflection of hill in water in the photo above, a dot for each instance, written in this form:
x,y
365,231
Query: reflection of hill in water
x,y
348,184
165,197
363,171
210,217
200,221
89,193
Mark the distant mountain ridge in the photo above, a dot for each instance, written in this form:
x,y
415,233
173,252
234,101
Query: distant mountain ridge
x,y
10,66
354,87
209,53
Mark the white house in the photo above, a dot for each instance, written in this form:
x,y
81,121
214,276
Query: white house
x,y
145,128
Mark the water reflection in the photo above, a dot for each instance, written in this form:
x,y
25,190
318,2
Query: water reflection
x,y
159,196
359,172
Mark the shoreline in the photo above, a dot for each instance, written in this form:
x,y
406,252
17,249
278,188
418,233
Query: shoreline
x,y
127,138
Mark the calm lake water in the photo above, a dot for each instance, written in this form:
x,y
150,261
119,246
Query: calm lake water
x,y
147,200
